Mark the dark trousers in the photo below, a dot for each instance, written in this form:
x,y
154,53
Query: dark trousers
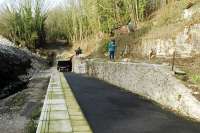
x,y
112,55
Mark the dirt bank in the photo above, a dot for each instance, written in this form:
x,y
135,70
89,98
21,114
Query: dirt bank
x,y
19,110
16,68
23,81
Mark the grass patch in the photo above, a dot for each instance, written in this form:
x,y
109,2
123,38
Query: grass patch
x,y
17,101
36,113
172,12
192,67
196,78
31,127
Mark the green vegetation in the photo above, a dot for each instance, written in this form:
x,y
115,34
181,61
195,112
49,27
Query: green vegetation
x,y
196,78
36,113
17,100
31,23
171,13
81,19
31,127
24,24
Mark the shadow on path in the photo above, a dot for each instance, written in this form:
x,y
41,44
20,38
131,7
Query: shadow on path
x,y
109,109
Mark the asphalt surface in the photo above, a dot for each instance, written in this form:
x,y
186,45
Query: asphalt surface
x,y
110,109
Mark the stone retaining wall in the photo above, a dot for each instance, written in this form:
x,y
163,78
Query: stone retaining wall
x,y
154,82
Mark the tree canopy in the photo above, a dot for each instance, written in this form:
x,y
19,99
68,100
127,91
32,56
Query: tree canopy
x,y
30,23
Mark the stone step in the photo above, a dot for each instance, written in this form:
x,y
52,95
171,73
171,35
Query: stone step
x,y
179,72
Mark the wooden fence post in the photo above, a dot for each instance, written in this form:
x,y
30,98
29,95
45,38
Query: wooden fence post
x,y
173,60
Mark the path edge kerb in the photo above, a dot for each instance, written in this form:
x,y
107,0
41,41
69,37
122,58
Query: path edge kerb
x,y
78,118
40,123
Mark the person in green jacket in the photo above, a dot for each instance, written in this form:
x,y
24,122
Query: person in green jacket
x,y
111,49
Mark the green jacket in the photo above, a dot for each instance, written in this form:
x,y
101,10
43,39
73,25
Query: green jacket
x,y
112,46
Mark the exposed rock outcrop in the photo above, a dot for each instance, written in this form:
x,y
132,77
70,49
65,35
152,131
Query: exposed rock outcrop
x,y
186,43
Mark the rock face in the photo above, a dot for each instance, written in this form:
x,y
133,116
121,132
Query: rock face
x,y
154,82
16,67
186,43
4,41
188,13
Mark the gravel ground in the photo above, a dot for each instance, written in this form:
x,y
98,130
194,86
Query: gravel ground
x,y
32,75
16,110
24,78
17,67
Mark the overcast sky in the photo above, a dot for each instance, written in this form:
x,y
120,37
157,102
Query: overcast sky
x,y
1,1
53,3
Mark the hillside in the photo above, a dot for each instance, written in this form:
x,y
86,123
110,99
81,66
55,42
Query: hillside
x,y
151,36
174,27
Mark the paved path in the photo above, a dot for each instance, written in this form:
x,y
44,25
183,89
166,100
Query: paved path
x,y
112,110
61,113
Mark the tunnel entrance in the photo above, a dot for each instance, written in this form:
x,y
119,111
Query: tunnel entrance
x,y
64,65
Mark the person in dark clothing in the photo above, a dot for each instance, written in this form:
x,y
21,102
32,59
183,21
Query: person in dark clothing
x,y
78,51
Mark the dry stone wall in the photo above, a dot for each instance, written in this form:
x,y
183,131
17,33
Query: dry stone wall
x,y
154,82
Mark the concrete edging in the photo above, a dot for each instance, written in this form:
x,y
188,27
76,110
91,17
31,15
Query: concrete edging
x,y
77,118
61,112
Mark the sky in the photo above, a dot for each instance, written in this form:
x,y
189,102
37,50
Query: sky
x,y
53,3
1,1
